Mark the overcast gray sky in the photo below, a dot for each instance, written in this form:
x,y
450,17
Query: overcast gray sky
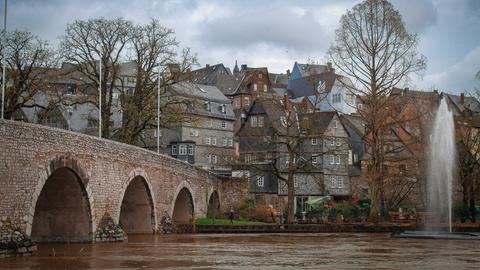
x,y
277,33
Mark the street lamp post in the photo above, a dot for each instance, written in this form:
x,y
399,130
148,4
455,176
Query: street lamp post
x,y
158,112
100,100
4,48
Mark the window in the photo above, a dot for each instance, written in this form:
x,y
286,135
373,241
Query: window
x,y
332,141
254,87
208,106
174,150
211,123
230,142
314,141
193,132
337,159
360,106
190,150
212,159
253,121
295,181
333,181
246,101
335,124
339,141
208,141
224,124
403,168
283,121
223,108
260,121
265,88
237,103
72,89
155,131
287,160
225,141
115,95
350,99
339,182
336,98
355,157
260,75
350,158
182,149
332,159
260,181
214,140
315,159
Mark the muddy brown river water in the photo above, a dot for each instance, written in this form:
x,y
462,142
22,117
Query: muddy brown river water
x,y
256,251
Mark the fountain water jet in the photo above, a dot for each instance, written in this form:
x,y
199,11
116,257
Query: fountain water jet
x,y
440,179
441,166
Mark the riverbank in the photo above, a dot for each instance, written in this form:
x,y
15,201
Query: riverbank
x,y
317,228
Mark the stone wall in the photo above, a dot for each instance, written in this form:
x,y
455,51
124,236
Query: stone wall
x,y
102,168
232,191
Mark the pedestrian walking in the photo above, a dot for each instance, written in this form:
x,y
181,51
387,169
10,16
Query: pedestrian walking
x,y
231,216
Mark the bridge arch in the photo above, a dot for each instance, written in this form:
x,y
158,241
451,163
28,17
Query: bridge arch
x,y
213,208
61,206
136,211
183,205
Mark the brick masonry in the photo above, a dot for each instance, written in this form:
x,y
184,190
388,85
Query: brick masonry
x,y
31,153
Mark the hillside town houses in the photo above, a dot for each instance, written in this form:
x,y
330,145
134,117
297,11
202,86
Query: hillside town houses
x,y
240,121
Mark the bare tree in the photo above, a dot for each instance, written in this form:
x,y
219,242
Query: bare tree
x,y
468,130
373,46
286,152
153,52
87,43
28,62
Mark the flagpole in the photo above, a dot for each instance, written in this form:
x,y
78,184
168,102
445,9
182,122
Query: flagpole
x,y
4,48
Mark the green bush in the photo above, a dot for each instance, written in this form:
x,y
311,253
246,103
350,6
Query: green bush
x,y
349,212
461,212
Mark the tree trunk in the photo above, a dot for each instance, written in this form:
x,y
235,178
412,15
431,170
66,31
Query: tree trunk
x,y
291,201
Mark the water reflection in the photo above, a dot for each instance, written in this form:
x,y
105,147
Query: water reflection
x,y
256,251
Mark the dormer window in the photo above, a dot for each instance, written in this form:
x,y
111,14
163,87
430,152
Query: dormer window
x,y
246,101
208,106
223,108
260,75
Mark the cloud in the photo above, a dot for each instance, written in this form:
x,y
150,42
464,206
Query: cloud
x,y
282,27
457,78
418,15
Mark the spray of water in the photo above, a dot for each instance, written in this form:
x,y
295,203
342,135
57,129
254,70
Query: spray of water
x,y
441,169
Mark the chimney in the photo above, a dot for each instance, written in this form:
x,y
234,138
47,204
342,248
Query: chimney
x,y
288,73
207,65
462,98
244,67
329,66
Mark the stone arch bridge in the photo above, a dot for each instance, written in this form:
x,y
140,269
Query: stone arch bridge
x,y
61,186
